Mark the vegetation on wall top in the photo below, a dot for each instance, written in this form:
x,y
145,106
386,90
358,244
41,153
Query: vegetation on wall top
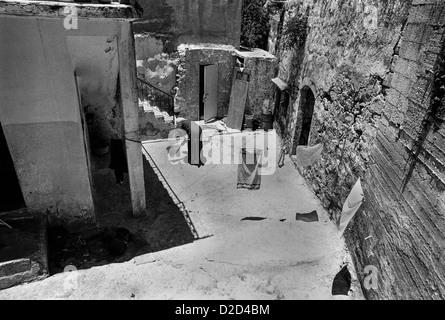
x,y
255,24
295,32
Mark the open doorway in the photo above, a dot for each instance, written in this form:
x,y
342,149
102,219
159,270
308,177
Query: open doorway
x,y
11,197
304,119
282,99
208,92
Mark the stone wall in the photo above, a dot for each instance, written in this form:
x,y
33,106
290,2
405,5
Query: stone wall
x,y
193,21
157,61
261,66
405,182
372,89
191,57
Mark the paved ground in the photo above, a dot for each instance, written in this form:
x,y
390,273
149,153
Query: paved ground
x,y
268,259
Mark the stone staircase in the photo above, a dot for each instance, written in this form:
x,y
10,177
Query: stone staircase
x,y
158,114
154,123
156,111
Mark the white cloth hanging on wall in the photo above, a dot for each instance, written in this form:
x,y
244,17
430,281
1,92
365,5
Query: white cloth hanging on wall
x,y
351,205
306,156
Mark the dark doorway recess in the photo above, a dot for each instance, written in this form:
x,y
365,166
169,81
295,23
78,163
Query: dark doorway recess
x,y
304,120
11,197
282,100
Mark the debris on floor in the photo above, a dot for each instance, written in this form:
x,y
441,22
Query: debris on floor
x,y
253,219
116,240
307,217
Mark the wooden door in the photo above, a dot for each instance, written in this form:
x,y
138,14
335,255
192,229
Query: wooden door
x,y
210,97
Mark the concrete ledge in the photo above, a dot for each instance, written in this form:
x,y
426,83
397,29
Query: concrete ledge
x,y
10,268
56,9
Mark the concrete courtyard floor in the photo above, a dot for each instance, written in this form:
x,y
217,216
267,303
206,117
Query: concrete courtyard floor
x,y
275,258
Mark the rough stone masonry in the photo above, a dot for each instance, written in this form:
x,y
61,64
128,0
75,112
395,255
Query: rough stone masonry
x,y
379,114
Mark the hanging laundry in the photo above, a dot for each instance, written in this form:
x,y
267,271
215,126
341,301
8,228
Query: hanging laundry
x,y
351,205
118,160
282,158
307,217
342,282
248,171
306,156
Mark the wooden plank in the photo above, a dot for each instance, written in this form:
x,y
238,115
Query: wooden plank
x,y
237,104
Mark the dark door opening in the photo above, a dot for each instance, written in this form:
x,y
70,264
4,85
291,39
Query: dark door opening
x,y
282,99
304,120
11,197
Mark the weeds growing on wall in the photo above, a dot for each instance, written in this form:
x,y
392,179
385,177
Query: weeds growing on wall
x,y
295,32
255,24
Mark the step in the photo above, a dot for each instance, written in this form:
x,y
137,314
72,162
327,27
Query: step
x,y
23,248
158,114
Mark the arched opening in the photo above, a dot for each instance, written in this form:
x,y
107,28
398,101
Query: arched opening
x,y
304,119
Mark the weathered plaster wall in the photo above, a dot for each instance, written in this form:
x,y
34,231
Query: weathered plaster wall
x,y
261,66
40,116
148,45
371,98
40,113
193,21
95,60
191,57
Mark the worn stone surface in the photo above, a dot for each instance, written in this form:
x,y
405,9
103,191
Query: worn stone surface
x,y
372,90
243,260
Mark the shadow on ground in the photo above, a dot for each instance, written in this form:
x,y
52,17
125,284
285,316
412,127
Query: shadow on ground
x,y
164,226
